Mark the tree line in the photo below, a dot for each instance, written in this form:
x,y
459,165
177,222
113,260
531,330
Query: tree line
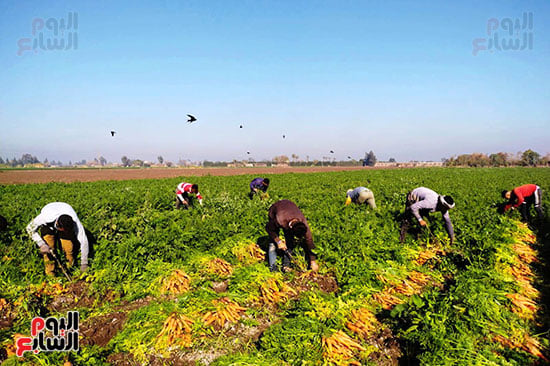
x,y
526,158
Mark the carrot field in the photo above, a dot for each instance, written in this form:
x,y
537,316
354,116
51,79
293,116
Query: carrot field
x,y
186,287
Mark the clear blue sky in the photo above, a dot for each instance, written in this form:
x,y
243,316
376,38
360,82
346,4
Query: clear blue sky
x,y
395,77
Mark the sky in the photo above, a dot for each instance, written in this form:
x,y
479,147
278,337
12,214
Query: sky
x,y
396,77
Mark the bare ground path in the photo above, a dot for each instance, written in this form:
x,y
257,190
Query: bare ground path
x,y
90,175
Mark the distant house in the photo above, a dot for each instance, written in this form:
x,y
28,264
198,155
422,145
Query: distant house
x,y
262,165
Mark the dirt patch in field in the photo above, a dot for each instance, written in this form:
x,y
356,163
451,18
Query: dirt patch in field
x,y
101,329
7,314
310,280
122,359
389,352
91,175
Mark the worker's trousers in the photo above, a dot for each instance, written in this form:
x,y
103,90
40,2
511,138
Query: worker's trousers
x,y
50,237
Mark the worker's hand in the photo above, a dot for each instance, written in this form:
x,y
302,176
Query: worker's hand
x,y
45,249
83,267
348,201
422,223
281,245
314,266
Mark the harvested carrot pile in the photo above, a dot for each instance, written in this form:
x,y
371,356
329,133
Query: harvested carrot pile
x,y
226,311
386,299
340,349
362,322
220,267
178,283
249,254
176,330
273,291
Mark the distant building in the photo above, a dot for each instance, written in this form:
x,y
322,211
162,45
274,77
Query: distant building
x,y
410,164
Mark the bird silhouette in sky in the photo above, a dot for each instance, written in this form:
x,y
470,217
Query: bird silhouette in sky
x,y
191,118
284,136
331,151
241,126
349,157
113,133
248,152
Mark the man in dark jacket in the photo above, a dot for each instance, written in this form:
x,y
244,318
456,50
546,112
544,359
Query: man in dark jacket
x,y
286,215
523,197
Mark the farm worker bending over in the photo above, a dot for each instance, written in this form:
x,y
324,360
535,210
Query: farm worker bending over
x,y
523,197
286,215
58,221
257,185
360,195
420,202
183,191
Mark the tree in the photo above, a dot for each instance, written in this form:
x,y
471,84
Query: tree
x,y
295,157
138,162
102,161
281,159
370,159
530,158
125,161
160,159
1,161
499,159
392,160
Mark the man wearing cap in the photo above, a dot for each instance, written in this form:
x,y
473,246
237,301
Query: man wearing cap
x,y
257,185
286,215
58,221
359,196
523,197
183,191
420,202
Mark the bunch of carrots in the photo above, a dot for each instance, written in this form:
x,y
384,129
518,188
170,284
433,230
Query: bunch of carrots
x,y
273,291
339,349
220,267
249,254
177,283
176,329
226,311
362,322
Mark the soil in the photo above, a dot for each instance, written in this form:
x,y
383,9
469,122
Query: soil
x,y
101,329
91,175
389,352
75,296
7,316
311,280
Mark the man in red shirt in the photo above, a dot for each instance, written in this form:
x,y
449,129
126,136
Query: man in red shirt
x,y
183,191
523,197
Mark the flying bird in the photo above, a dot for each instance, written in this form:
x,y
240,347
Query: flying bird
x,y
332,152
191,118
248,152
349,157
241,126
113,133
284,136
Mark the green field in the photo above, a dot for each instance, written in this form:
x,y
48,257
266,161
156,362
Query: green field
x,y
420,302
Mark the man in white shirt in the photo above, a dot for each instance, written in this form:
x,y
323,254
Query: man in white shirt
x,y
58,220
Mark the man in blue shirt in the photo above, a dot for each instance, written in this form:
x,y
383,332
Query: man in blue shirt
x,y
257,185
